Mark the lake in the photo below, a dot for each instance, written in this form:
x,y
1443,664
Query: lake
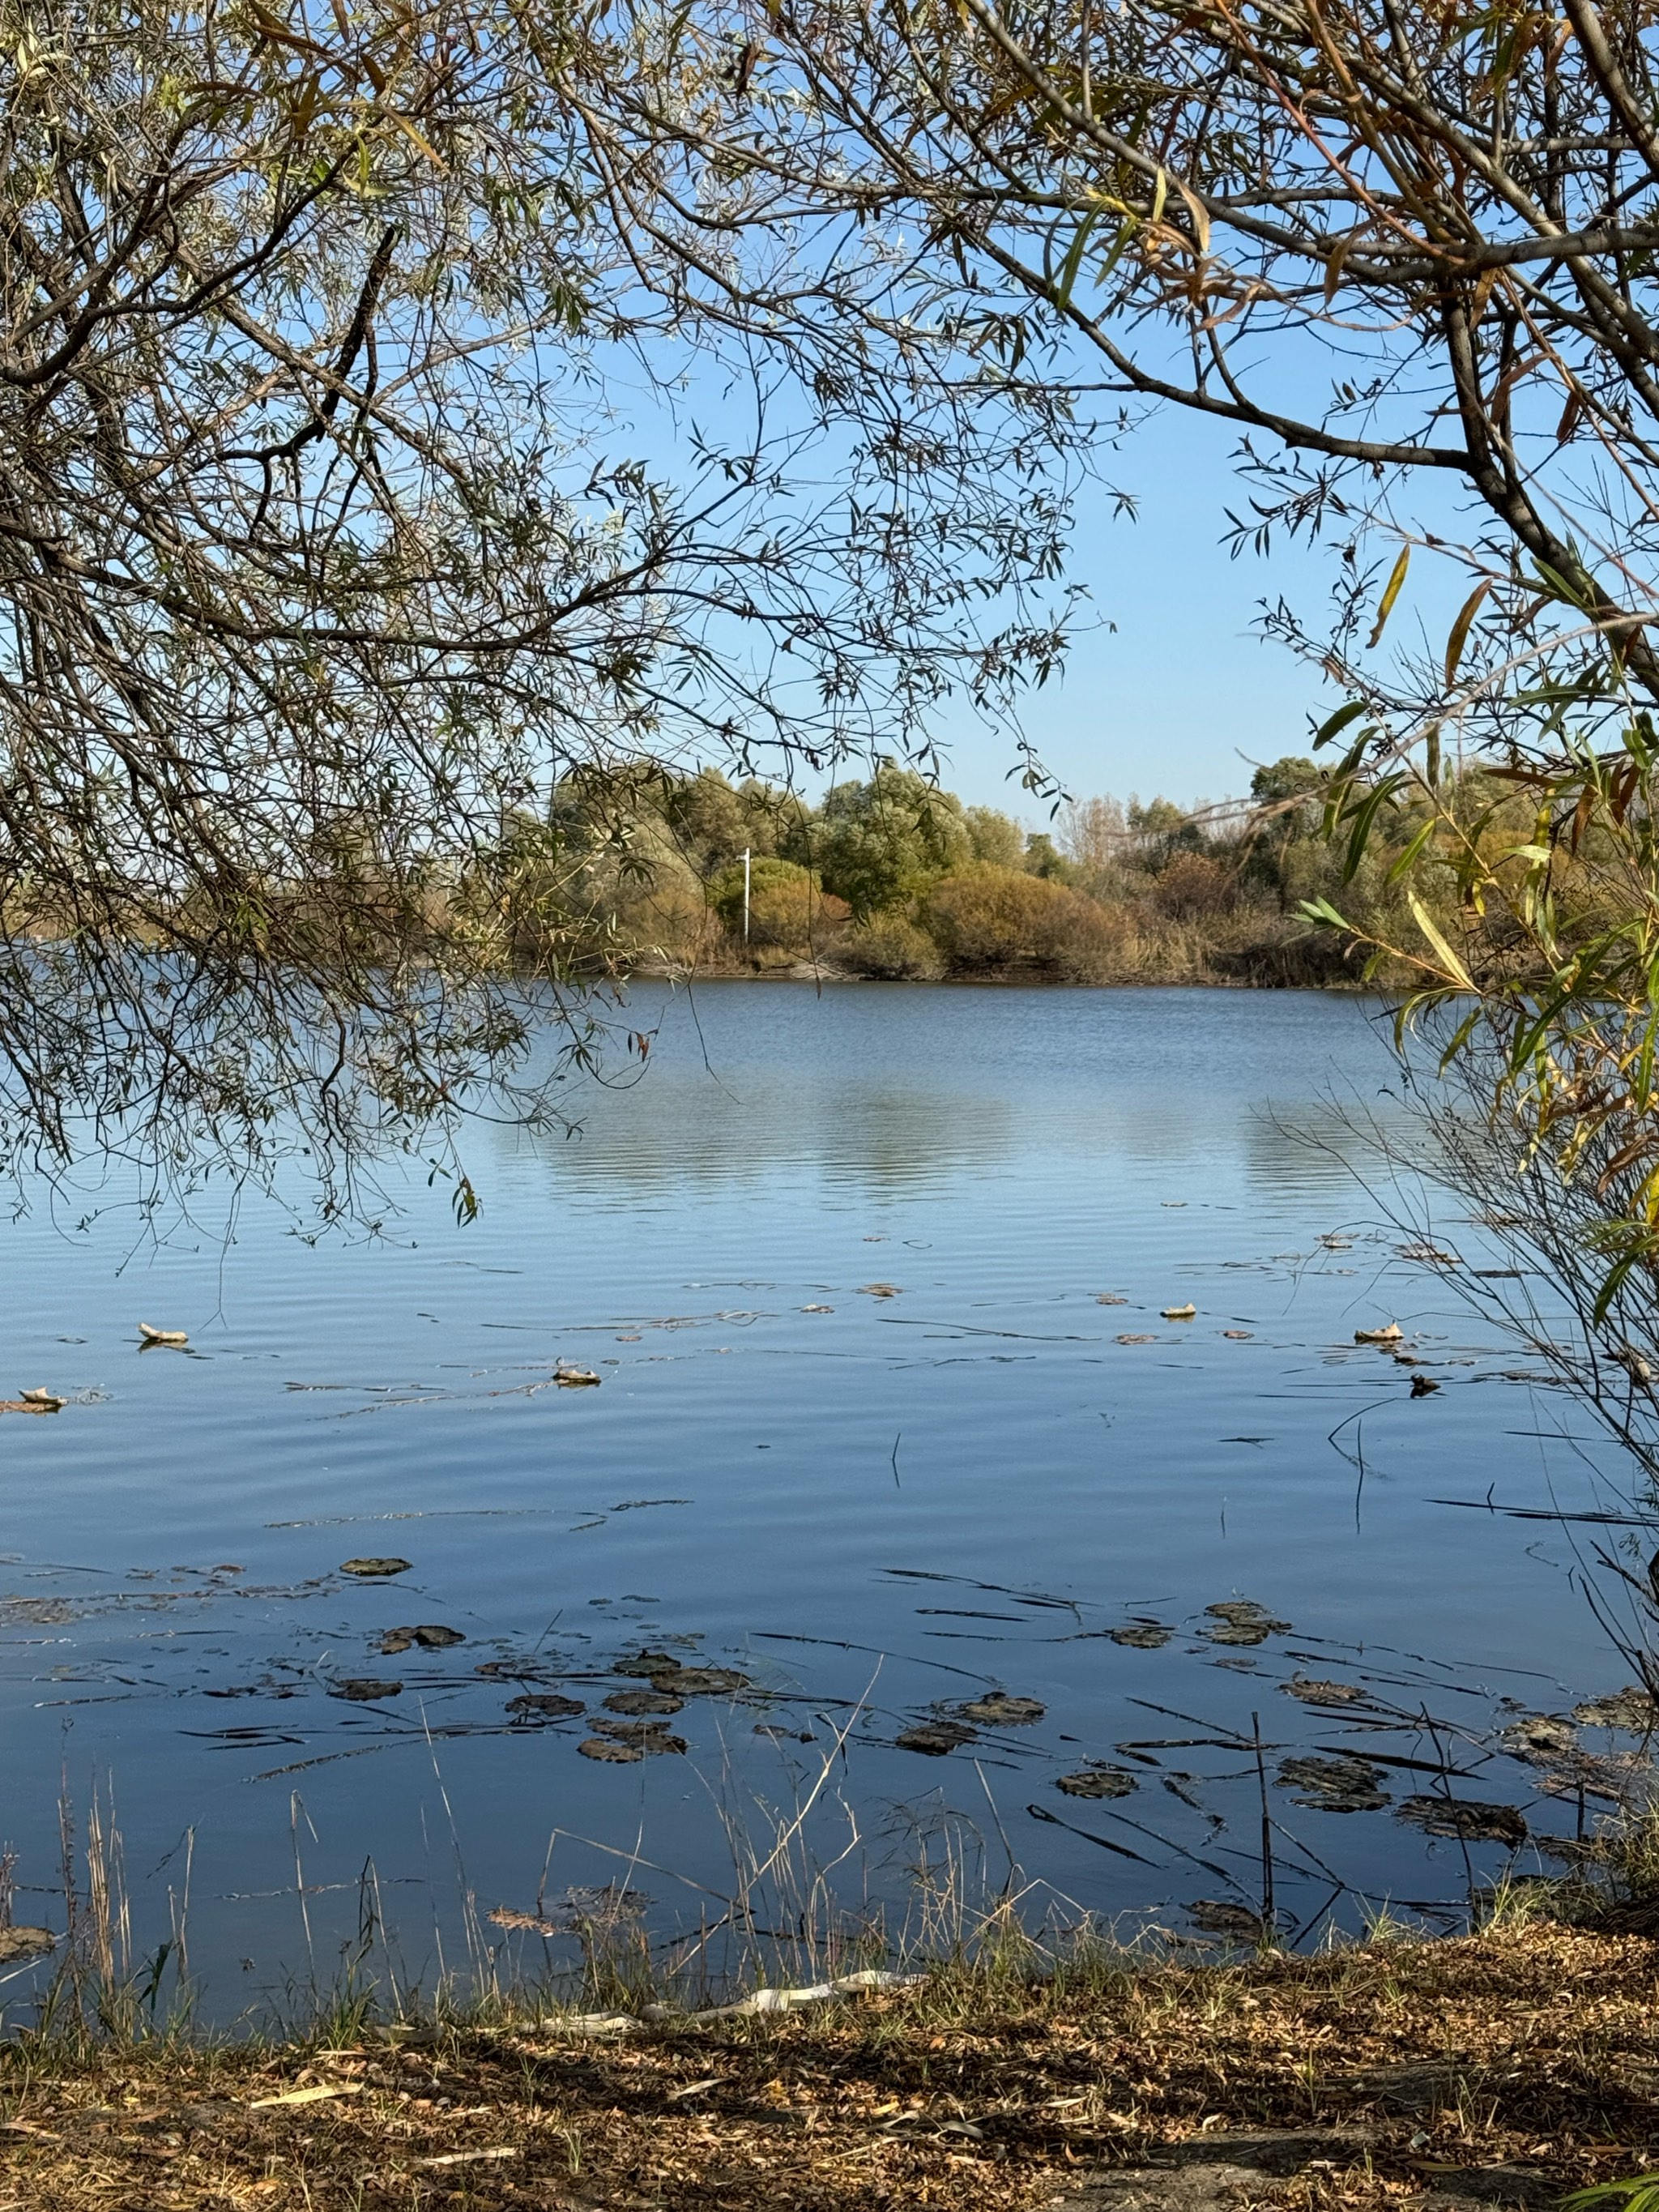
x,y
894,1459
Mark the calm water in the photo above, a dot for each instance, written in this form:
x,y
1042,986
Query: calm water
x,y
873,1508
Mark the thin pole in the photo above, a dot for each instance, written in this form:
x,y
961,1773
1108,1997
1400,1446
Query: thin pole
x,y
745,894
1269,1914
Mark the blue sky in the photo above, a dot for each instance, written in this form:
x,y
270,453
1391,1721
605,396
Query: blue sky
x,y
1181,698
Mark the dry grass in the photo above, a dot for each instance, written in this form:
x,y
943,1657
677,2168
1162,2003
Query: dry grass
x,y
1532,2045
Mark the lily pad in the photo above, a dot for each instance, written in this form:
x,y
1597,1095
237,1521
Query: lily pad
x,y
1243,1621
429,1636
1142,1635
1539,1735
1312,1692
935,1738
648,1664
364,1689
544,1705
24,1943
1215,1916
619,1754
1468,1819
651,1737
1099,1781
999,1709
372,1569
642,1701
1632,1710
1335,1785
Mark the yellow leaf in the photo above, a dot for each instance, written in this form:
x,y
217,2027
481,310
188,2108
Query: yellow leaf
x,y
1460,630
1450,965
1334,267
315,2096
1390,593
1200,219
426,147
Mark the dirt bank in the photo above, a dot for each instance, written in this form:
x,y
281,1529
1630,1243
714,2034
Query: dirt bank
x,y
1502,2069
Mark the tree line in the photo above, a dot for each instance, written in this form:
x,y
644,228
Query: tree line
x,y
891,876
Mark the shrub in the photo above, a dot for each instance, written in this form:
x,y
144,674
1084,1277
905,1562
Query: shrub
x,y
891,949
996,918
1193,887
788,909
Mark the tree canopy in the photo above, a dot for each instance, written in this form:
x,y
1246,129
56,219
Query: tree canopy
x,y
353,497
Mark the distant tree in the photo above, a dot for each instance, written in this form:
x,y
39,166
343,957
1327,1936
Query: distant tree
x,y
1289,796
1158,829
1041,857
880,844
994,836
1094,835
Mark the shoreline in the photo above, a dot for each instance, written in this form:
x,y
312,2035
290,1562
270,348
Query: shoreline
x,y
1505,2068
988,980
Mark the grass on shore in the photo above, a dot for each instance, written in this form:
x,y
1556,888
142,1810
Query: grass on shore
x,y
1531,2046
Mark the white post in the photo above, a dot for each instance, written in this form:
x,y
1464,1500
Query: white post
x,y
745,895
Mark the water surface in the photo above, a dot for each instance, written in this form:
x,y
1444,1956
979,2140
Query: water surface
x,y
874,1508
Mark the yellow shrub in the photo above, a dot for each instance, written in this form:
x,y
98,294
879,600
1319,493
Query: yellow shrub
x,y
998,918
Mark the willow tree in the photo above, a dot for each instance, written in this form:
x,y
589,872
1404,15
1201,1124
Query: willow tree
x,y
1409,255
374,458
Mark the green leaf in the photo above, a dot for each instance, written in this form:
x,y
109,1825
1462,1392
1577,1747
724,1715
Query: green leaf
x,y
1408,860
1460,1036
1631,2200
1073,261
1339,721
1364,816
